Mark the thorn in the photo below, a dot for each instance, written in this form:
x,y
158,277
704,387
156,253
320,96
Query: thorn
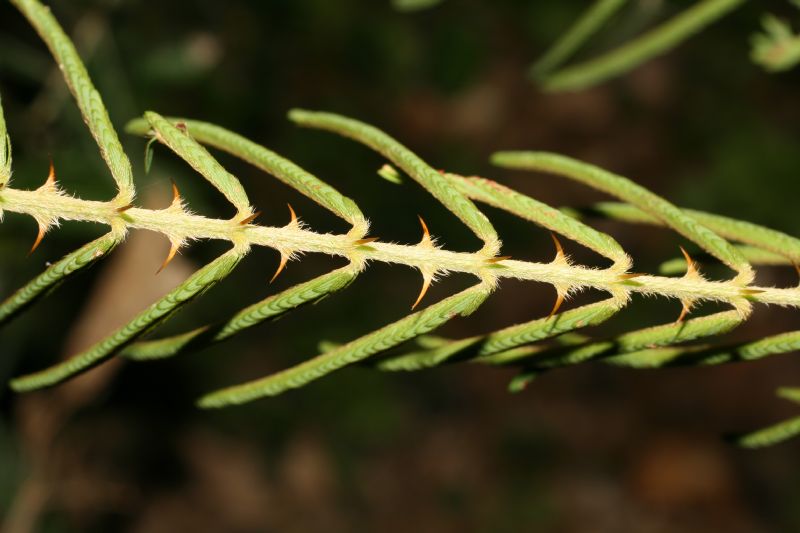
x,y
251,218
426,235
294,216
559,300
630,275
691,266
124,208
493,260
176,194
797,268
687,307
559,248
38,240
281,266
367,240
426,283
173,249
51,176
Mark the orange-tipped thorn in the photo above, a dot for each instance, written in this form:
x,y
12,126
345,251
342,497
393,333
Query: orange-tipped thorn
x,y
251,218
426,235
630,275
124,208
38,240
281,266
559,249
292,213
426,283
367,240
493,260
687,307
559,300
176,194
51,176
691,266
173,249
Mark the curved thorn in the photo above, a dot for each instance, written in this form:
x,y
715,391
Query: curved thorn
x,y
51,176
249,219
687,307
559,300
173,249
281,266
426,283
426,235
691,266
559,248
294,216
176,194
38,241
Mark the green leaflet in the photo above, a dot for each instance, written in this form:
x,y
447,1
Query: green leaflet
x,y
729,228
638,349
705,354
387,337
778,432
494,194
771,435
500,347
636,195
57,273
789,393
180,142
543,328
268,161
657,357
5,151
269,308
194,286
645,47
676,332
429,358
411,164
568,43
89,101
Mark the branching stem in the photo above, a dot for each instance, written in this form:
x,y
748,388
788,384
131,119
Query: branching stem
x,y
50,204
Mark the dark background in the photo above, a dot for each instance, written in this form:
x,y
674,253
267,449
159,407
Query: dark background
x,y
588,448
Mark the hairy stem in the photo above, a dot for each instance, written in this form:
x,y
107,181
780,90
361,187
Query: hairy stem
x,y
50,204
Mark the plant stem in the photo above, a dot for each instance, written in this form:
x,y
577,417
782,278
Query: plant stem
x,y
51,204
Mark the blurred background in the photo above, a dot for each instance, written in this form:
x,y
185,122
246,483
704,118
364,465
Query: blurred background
x,y
589,448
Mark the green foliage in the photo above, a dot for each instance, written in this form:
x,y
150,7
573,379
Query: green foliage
x,y
571,40
518,345
630,55
777,48
86,96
